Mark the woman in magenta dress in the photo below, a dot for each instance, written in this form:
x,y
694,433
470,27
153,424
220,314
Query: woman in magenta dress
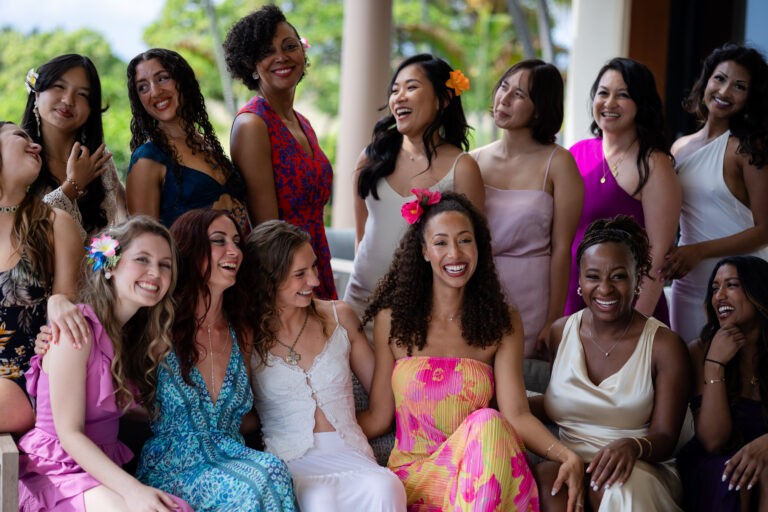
x,y
447,345
627,169
287,175
81,392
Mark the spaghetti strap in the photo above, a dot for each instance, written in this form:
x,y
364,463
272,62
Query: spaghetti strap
x,y
335,315
549,163
453,167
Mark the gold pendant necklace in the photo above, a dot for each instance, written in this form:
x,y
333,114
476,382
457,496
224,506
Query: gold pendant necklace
x,y
615,166
608,352
294,357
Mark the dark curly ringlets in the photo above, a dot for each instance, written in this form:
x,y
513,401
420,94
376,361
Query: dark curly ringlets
x,y
200,135
622,229
750,124
753,276
250,40
406,289
449,126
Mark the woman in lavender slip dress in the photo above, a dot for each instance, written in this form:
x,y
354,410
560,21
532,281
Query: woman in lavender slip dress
x,y
627,169
533,197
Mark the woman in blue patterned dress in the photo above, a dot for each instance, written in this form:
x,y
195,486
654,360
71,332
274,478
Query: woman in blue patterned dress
x,y
203,391
177,163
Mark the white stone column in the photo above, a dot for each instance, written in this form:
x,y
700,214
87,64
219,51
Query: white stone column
x,y
365,70
600,32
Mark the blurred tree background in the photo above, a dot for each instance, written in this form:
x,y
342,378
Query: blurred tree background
x,y
481,37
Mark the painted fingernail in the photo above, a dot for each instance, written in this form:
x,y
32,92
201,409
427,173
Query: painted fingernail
x,y
553,492
738,487
749,487
592,483
595,488
724,477
607,486
730,487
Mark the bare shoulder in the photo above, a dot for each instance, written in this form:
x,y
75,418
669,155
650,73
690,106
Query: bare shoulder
x,y
63,221
248,121
669,344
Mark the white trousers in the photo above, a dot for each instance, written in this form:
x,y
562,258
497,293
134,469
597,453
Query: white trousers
x,y
332,477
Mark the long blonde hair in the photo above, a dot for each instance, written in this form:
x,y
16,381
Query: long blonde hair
x,y
144,341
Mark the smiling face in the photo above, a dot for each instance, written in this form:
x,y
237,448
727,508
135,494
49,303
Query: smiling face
x,y
157,90
449,246
19,161
226,254
143,274
731,304
412,100
283,65
512,104
64,105
296,289
727,90
612,107
608,280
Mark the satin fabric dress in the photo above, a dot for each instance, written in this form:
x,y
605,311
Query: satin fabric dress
x,y
592,415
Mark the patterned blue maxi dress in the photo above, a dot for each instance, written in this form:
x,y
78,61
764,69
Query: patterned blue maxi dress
x,y
197,452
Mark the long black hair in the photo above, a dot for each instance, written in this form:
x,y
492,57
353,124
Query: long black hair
x,y
450,125
649,120
92,132
750,124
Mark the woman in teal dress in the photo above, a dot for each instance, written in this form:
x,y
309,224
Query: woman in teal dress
x,y
203,394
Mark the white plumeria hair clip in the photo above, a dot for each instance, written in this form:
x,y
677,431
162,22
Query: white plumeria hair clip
x,y
30,80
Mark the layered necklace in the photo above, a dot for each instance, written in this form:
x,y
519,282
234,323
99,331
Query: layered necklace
x,y
594,340
294,357
614,167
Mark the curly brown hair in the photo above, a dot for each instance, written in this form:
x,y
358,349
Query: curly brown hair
x,y
272,245
406,289
622,229
200,135
190,233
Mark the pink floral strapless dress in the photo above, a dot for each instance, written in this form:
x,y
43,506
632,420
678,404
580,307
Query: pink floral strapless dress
x,y
452,452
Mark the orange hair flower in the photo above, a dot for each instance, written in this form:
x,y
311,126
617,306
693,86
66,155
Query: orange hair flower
x,y
458,82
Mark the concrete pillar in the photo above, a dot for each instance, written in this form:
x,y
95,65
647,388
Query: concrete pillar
x,y
365,69
600,32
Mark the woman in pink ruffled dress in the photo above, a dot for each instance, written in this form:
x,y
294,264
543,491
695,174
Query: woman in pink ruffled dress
x,y
71,460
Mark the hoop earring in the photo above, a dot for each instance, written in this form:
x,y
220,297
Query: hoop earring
x,y
578,291
37,118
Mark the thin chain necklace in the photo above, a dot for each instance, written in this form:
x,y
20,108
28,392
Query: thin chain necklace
x,y
608,352
294,357
615,166
213,361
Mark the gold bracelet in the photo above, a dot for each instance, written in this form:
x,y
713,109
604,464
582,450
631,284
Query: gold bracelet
x,y
78,190
713,381
546,453
640,446
650,446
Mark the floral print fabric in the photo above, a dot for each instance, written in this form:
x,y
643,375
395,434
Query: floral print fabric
x,y
22,312
452,452
302,184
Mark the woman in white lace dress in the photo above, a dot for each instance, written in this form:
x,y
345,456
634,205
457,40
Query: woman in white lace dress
x,y
63,115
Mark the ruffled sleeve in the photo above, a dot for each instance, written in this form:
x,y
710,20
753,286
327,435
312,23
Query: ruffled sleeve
x,y
102,353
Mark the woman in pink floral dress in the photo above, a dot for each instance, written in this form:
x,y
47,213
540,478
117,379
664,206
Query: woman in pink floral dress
x,y
446,346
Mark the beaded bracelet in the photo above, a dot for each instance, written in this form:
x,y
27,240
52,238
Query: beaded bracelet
x,y
640,446
78,190
708,360
713,381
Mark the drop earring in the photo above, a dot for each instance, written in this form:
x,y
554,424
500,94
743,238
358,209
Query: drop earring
x,y
37,118
578,291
